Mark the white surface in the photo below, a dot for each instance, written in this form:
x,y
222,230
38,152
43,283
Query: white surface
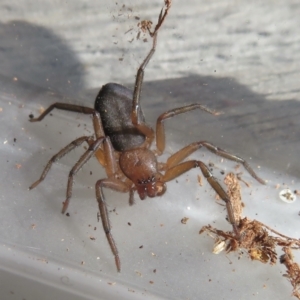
x,y
42,251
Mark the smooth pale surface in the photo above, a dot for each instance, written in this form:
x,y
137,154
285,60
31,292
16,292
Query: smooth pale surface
x,y
65,52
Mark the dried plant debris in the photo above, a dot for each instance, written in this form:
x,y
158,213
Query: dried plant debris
x,y
259,240
145,25
293,270
234,193
184,220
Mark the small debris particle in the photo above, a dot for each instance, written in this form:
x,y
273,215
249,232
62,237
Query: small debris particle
x,y
141,246
31,116
92,238
151,282
95,228
138,273
219,246
128,30
68,214
184,220
18,166
200,180
91,173
15,140
154,271
297,192
82,263
41,109
145,25
129,223
33,226
111,283
287,196
237,167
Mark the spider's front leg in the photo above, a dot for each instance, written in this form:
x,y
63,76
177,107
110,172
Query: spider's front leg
x,y
181,168
136,106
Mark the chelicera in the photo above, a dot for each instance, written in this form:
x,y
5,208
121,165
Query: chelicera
x,y
121,143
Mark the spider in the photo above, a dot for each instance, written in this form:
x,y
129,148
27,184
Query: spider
x,y
121,143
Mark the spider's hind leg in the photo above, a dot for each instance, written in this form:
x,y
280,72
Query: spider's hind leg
x,y
93,148
74,144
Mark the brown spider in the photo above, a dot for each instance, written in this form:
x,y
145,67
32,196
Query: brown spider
x,y
121,144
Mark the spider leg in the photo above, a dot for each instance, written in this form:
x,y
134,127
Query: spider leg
x,y
110,163
181,168
93,148
74,144
163,14
98,127
141,126
64,106
186,151
105,156
99,132
136,107
119,186
160,130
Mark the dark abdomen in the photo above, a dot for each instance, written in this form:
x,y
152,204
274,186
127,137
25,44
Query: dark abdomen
x,y
114,103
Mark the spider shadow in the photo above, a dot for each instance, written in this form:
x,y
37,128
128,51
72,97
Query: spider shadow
x,y
40,58
251,125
